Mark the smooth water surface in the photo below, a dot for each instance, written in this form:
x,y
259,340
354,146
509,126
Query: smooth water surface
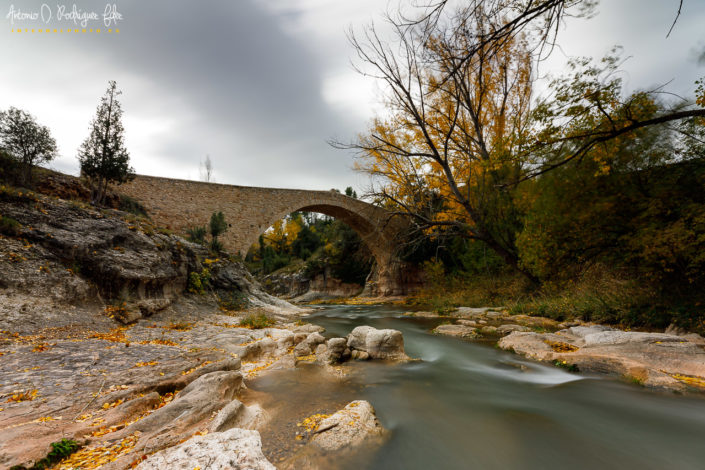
x,y
471,406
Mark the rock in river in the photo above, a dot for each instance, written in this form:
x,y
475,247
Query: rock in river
x,y
379,344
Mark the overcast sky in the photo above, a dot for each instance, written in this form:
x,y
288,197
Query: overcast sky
x,y
261,85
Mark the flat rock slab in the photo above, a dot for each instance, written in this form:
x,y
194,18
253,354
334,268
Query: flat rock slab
x,y
459,331
656,360
88,381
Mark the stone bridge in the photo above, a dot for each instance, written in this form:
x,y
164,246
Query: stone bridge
x,y
249,211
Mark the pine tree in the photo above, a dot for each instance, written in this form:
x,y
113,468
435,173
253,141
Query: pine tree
x,y
103,156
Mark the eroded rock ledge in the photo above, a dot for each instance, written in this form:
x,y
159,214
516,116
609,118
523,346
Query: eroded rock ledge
x,y
655,360
673,360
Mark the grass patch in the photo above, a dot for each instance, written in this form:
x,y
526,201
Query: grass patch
x,y
257,321
599,294
9,226
128,204
233,301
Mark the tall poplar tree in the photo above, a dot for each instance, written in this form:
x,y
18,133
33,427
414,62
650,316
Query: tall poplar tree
x,y
103,156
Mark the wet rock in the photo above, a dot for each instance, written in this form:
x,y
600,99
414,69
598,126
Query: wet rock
x,y
359,355
379,344
332,351
347,428
308,345
459,331
336,348
422,314
229,450
655,360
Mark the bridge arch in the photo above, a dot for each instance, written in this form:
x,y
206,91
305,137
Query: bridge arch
x,y
250,211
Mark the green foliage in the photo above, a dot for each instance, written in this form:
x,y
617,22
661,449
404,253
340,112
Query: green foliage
x,y
307,241
196,234
217,224
9,226
23,139
566,365
199,282
215,246
10,169
257,321
233,300
59,451
103,156
128,204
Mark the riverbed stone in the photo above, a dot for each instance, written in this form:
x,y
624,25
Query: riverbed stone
x,y
655,360
459,331
236,415
488,330
235,449
379,344
348,427
506,329
332,351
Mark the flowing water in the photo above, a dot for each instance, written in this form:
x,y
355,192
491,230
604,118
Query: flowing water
x,y
469,405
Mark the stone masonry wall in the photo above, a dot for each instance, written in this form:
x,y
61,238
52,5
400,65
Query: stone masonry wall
x,y
249,211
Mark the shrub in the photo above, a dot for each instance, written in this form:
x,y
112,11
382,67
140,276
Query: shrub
x,y
257,321
198,282
59,451
9,226
128,204
196,235
234,300
216,247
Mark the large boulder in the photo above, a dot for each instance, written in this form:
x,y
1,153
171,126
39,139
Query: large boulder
x,y
347,428
230,450
308,345
379,344
194,403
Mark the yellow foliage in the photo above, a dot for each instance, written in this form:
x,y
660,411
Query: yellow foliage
x,y
95,457
311,423
27,395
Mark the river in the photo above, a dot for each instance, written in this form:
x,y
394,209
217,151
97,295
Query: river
x,y
468,405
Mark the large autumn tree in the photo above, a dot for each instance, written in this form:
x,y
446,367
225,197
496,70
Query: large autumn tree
x,y
464,126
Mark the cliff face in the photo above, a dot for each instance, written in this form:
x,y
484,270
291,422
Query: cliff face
x,y
54,251
301,288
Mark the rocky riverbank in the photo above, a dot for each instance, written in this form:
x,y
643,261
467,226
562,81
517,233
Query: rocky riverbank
x,y
133,342
672,361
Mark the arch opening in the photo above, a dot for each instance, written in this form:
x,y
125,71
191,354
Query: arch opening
x,y
329,249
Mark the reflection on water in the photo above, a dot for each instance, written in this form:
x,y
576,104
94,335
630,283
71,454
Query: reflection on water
x,y
468,405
